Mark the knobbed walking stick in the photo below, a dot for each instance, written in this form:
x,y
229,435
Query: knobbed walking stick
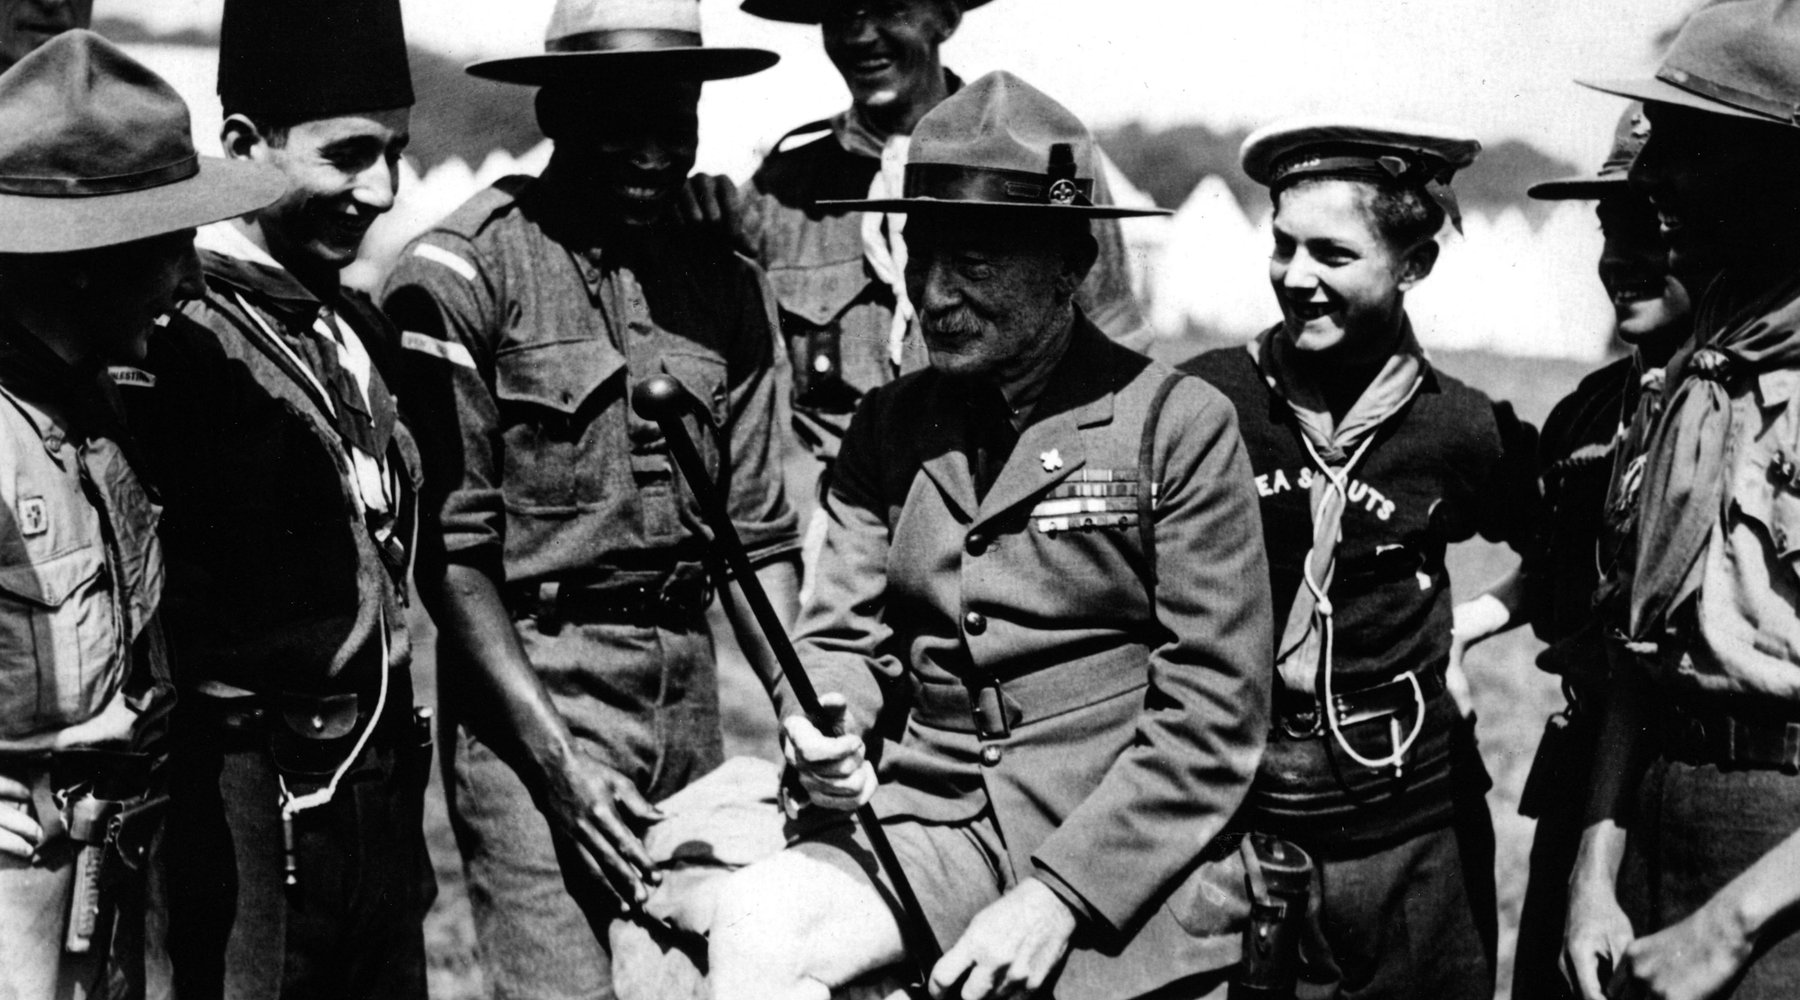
x,y
662,399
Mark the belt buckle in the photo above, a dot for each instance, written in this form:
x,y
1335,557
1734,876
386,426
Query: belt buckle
x,y
989,712
1312,718
546,611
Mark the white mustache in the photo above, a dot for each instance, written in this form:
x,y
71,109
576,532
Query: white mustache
x,y
958,322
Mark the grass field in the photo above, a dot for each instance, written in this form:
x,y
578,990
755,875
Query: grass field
x,y
1512,698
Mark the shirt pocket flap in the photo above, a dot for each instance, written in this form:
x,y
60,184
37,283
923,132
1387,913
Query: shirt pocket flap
x,y
819,293
52,582
559,376
1770,496
704,376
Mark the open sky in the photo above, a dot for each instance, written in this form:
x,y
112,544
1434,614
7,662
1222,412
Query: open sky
x,y
1498,68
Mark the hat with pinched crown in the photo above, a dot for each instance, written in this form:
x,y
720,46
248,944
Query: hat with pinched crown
x,y
1632,133
1000,143
97,150
592,40
1740,59
812,11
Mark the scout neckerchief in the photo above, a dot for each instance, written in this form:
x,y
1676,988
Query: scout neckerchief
x,y
884,244
1335,448
1685,479
884,247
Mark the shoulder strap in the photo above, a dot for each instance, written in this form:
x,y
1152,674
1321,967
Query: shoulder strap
x,y
822,125
1146,480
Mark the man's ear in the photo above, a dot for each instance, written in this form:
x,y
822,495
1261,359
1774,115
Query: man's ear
x,y
1417,264
242,139
1078,260
949,19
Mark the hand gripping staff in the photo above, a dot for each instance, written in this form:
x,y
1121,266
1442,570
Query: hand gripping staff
x,y
662,398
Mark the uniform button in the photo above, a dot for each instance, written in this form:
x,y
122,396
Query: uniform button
x,y
976,544
318,723
974,623
990,755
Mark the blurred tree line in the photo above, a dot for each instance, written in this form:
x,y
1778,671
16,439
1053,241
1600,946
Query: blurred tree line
x,y
1167,163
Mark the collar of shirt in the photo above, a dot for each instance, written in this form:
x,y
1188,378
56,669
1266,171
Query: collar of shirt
x,y
1023,391
859,137
246,267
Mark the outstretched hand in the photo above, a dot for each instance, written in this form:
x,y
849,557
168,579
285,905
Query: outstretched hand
x,y
601,811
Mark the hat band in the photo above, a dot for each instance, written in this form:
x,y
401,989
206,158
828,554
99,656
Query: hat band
x,y
80,187
955,182
1786,112
625,40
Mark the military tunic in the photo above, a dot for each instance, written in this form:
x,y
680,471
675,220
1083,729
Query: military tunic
x,y
1134,719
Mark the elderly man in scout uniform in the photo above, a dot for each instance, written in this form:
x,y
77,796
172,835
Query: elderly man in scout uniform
x,y
99,192
1076,724
575,651
298,862
839,275
1570,586
1695,814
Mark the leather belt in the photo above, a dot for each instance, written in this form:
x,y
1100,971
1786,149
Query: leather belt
x,y
1710,737
672,599
1299,716
990,707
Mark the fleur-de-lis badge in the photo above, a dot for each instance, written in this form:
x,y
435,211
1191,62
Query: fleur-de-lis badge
x,y
1052,460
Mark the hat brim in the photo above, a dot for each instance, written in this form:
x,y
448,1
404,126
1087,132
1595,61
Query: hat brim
x,y
1650,89
809,11
223,189
679,63
1578,188
901,206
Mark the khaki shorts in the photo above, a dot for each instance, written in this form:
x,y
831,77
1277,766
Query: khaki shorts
x,y
956,869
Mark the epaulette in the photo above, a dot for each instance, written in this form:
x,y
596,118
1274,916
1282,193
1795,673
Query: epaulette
x,y
484,206
822,125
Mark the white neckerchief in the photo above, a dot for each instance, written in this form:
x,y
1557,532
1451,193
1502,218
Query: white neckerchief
x,y
883,241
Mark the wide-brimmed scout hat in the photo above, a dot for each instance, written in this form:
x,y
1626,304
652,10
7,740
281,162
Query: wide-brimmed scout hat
x,y
1409,153
1632,133
812,11
1000,143
610,39
302,61
1739,59
96,150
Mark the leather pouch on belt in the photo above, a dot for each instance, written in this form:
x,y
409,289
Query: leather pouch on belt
x,y
313,733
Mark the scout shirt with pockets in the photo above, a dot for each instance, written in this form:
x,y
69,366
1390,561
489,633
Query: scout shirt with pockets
x,y
554,477
524,350
829,294
1736,644
1135,724
81,572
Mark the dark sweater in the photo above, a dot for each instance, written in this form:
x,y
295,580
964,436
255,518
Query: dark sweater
x,y
1453,464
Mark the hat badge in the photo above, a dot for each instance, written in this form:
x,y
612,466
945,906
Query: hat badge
x,y
1064,192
